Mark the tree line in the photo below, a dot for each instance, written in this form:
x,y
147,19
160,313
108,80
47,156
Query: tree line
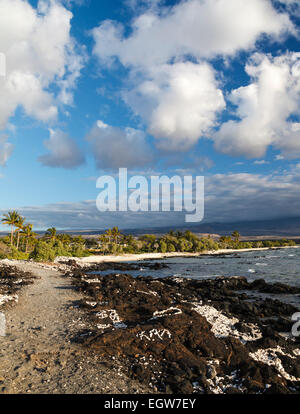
x,y
24,243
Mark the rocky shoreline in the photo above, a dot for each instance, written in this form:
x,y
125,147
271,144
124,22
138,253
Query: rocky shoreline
x,y
12,280
183,335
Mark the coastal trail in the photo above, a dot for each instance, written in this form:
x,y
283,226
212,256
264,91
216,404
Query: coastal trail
x,y
37,355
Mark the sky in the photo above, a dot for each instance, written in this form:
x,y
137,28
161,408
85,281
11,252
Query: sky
x,y
186,87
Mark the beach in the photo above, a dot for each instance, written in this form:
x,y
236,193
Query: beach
x,y
93,328
158,256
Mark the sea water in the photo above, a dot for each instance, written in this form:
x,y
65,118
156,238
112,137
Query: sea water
x,y
273,265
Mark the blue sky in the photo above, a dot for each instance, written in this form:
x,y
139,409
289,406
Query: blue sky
x,y
200,87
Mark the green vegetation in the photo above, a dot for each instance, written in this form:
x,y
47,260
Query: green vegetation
x,y
113,242
24,244
11,219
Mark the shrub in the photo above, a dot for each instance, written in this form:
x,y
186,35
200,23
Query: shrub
x,y
43,252
17,255
171,248
79,251
4,250
61,249
162,247
130,249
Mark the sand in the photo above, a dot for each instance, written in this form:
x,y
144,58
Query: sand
x,y
38,356
157,256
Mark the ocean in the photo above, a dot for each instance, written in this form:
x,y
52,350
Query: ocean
x,y
274,265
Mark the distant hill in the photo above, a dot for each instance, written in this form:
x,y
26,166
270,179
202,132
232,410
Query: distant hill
x,y
279,228
283,227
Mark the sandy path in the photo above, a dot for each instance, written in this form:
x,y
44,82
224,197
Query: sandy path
x,y
37,355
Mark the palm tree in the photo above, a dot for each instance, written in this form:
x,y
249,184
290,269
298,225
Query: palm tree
x,y
109,234
79,240
103,240
19,226
28,234
64,238
51,233
11,219
116,234
236,235
129,239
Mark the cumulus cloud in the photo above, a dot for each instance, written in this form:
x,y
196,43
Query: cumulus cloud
x,y
265,108
202,29
115,147
139,6
63,151
177,99
261,162
39,53
71,3
6,149
293,6
180,103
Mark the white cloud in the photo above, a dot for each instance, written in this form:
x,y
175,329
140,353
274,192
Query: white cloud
x,y
6,150
261,162
293,6
264,108
63,151
202,29
115,148
137,5
180,103
39,53
71,3
180,100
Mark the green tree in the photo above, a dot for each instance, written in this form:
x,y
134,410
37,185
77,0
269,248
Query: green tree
x,y
109,235
64,238
28,235
43,252
51,234
190,236
171,247
116,235
103,241
79,240
19,226
163,246
225,242
11,219
236,236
